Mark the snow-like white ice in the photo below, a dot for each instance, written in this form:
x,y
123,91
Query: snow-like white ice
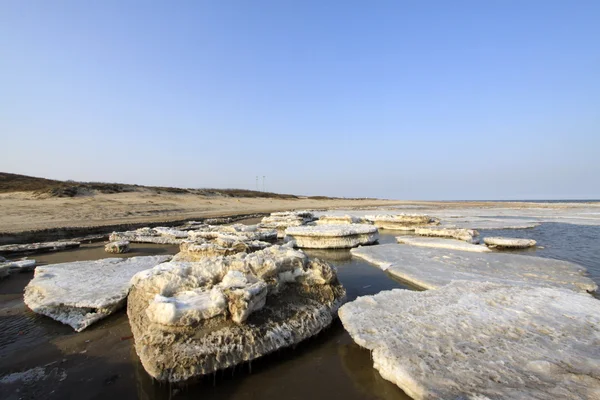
x,y
468,235
430,268
508,243
118,247
440,243
478,340
82,292
193,318
332,236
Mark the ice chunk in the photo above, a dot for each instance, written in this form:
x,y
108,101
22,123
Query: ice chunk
x,y
332,236
282,220
37,247
174,233
82,292
432,268
245,293
476,340
467,235
440,243
187,307
508,243
340,219
143,235
121,246
401,221
16,266
274,298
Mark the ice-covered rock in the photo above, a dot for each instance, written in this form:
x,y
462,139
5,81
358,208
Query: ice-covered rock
x,y
193,318
432,268
4,270
37,247
508,243
441,243
468,235
477,340
332,236
82,292
340,219
118,247
280,221
402,222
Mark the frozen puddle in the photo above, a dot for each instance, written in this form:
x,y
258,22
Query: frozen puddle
x,y
473,340
82,292
433,268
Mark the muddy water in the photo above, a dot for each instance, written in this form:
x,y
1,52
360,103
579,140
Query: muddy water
x,y
100,362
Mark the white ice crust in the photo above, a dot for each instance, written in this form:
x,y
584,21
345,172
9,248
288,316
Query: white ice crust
x,y
430,268
82,292
508,243
439,243
474,340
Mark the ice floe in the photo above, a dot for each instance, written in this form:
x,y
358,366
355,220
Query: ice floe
x,y
468,235
193,318
508,243
332,236
82,292
220,246
403,222
340,219
432,268
477,340
37,247
144,235
441,243
282,220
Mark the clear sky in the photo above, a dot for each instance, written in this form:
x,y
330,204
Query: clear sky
x,y
398,99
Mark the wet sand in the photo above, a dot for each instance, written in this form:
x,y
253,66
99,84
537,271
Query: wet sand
x,y
100,362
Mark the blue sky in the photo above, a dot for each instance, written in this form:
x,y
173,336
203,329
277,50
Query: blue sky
x,y
395,99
